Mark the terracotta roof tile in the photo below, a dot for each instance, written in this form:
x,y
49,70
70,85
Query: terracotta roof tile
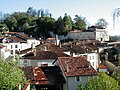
x,y
2,46
39,76
44,75
76,66
44,55
11,38
102,66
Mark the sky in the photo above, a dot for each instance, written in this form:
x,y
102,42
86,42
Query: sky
x,y
91,9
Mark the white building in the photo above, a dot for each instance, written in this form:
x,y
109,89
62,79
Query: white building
x,y
16,42
91,34
4,52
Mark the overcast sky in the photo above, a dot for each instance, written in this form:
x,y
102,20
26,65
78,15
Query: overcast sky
x,y
91,9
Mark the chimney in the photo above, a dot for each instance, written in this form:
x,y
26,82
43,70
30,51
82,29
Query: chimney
x,y
71,45
67,66
34,51
60,44
45,48
56,39
89,64
106,55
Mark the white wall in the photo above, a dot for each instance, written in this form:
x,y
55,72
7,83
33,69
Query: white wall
x,y
4,53
13,47
72,82
81,35
28,62
101,34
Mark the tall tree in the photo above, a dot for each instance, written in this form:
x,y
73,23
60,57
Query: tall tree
x,y
102,82
67,22
10,76
60,30
116,74
80,22
102,22
44,25
11,23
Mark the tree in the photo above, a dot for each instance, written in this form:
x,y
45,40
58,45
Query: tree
x,y
102,23
116,14
10,76
80,22
11,23
116,74
101,82
67,22
60,30
44,25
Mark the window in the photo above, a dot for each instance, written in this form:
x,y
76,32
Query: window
x,y
11,46
77,78
25,61
93,57
89,57
16,46
93,63
44,88
44,65
11,51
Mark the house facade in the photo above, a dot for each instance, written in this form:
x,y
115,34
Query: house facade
x,y
93,33
81,35
16,42
4,52
75,70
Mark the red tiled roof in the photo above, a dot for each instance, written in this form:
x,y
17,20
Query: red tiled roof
x,y
102,66
51,47
25,87
44,55
24,35
25,51
39,76
77,66
10,32
44,75
21,34
2,46
76,31
50,38
16,39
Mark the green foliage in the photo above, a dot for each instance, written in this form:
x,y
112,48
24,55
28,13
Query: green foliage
x,y
60,30
39,23
67,22
102,82
3,28
44,25
116,74
11,23
115,38
10,76
102,22
80,22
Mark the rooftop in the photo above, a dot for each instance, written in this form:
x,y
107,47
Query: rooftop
x,y
76,66
44,55
44,75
